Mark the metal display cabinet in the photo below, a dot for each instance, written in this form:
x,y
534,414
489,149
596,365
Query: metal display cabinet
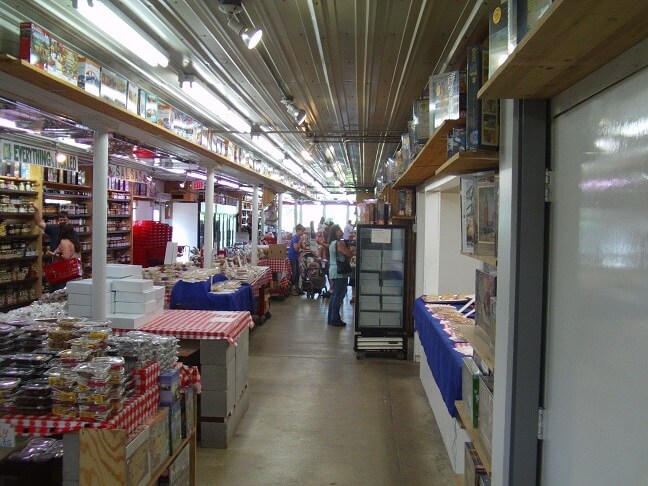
x,y
381,255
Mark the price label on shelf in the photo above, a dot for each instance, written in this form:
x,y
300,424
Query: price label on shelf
x,y
7,435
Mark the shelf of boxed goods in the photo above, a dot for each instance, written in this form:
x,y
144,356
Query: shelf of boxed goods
x,y
120,209
477,441
571,40
432,161
25,82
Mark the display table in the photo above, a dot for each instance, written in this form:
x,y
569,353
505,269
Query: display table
x,y
223,340
281,270
442,357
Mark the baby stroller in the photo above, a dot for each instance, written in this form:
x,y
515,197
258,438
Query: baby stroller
x,y
313,276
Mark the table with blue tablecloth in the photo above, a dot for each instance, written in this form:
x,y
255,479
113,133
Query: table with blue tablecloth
x,y
442,358
197,296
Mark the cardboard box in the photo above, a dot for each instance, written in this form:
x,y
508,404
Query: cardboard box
x,y
159,442
132,100
138,471
447,97
188,400
482,116
421,120
121,90
34,44
498,37
108,84
175,426
472,465
86,310
148,106
132,285
470,390
277,252
63,61
486,387
218,377
165,115
219,434
216,351
169,387
86,299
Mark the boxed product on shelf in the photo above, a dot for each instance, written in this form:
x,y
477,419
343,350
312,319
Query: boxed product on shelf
x,y
166,115
188,396
89,76
470,390
138,471
421,120
169,387
159,442
34,44
121,90
482,116
485,300
523,16
498,37
132,99
175,426
63,62
473,465
179,472
108,84
447,97
116,270
486,387
479,203
148,106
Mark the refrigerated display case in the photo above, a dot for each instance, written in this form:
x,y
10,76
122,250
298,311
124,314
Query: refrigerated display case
x,y
381,275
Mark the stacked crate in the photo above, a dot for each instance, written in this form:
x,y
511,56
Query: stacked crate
x,y
149,242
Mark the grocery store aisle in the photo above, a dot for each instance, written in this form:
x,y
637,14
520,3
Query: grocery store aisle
x,y
319,416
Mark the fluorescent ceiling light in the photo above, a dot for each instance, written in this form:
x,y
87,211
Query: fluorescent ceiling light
x,y
337,183
223,182
74,143
119,30
173,170
247,189
329,173
306,154
213,104
7,123
197,175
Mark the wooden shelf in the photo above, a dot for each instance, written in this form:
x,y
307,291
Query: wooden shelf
x,y
25,281
474,436
119,200
119,232
16,215
17,179
70,215
19,192
118,248
155,476
25,82
432,156
144,198
71,187
491,260
122,216
469,161
119,190
479,341
571,40
56,195
8,238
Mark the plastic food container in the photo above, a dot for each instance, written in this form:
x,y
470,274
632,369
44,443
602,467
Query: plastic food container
x,y
39,387
70,357
12,372
93,371
61,378
31,359
66,410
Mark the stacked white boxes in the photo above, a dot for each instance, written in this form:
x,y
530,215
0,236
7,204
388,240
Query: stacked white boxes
x,y
224,379
131,301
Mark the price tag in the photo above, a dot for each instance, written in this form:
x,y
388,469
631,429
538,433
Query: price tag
x,y
7,435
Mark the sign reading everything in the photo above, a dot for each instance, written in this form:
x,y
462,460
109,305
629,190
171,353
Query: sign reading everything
x,y
29,154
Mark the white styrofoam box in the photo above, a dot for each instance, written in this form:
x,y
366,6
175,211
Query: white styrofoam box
x,y
369,319
86,310
241,377
216,403
132,321
86,299
117,270
220,434
218,377
83,286
155,293
243,336
218,351
136,307
132,285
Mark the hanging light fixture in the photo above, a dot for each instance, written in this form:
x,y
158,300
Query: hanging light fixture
x,y
298,114
251,37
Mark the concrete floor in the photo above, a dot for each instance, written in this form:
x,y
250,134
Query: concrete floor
x,y
319,416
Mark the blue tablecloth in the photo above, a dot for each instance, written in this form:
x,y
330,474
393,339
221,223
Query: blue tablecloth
x,y
444,361
196,296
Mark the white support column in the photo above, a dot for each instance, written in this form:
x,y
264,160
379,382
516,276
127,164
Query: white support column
x,y
347,215
295,214
301,213
99,223
279,215
262,222
208,248
255,224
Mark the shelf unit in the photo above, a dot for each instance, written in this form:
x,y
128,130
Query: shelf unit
x,y
20,247
120,214
570,41
80,209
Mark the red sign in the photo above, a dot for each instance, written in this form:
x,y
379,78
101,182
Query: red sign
x,y
198,184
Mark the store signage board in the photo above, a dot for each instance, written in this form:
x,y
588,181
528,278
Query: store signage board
x,y
126,173
381,236
7,435
30,154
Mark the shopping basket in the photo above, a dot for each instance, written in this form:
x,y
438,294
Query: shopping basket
x,y
62,271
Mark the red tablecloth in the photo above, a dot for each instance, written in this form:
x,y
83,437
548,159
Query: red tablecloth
x,y
199,324
276,265
264,279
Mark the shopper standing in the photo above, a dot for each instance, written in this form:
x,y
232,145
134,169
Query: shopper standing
x,y
293,255
338,252
52,230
